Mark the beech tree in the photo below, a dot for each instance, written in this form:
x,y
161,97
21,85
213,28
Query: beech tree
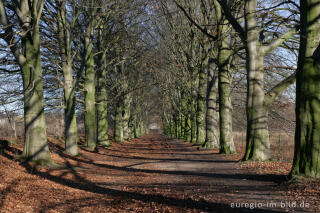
x,y
20,22
212,11
66,26
307,138
258,103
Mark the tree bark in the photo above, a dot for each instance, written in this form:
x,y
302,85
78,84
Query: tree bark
x,y
126,116
29,60
225,79
307,137
89,88
201,106
118,123
212,116
36,147
193,123
71,132
102,106
258,146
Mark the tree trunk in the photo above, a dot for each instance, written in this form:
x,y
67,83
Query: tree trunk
x,y
36,147
102,108
89,87
177,124
71,132
201,106
126,116
258,146
225,111
224,85
307,138
193,123
118,123
212,138
258,138
29,60
187,130
183,127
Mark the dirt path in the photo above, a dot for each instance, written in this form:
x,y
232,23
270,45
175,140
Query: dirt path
x,y
149,174
206,177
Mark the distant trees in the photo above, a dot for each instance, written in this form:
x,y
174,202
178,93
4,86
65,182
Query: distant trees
x,y
122,62
262,29
90,50
259,32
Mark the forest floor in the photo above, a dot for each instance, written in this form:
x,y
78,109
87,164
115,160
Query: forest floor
x,y
151,174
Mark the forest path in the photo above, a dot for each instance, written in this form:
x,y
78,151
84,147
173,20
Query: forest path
x,y
150,174
204,176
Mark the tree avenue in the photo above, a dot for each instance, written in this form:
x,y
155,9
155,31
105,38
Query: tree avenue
x,y
115,68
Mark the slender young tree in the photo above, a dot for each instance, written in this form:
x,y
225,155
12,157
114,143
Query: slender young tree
x,y
66,26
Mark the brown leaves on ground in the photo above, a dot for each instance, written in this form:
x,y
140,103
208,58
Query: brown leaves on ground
x,y
150,174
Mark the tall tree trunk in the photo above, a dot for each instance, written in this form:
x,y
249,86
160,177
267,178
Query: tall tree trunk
x,y
118,123
71,132
225,79
126,116
307,137
212,117
89,87
193,123
201,106
257,147
36,146
177,124
29,60
187,130
102,107
182,124
225,111
101,90
134,126
172,124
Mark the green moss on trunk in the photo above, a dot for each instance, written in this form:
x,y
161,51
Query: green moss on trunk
x,y
307,138
118,124
201,106
212,117
36,147
90,110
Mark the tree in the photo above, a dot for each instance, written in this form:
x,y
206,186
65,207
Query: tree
x,y
101,88
252,36
224,58
24,16
66,27
91,22
307,137
225,55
